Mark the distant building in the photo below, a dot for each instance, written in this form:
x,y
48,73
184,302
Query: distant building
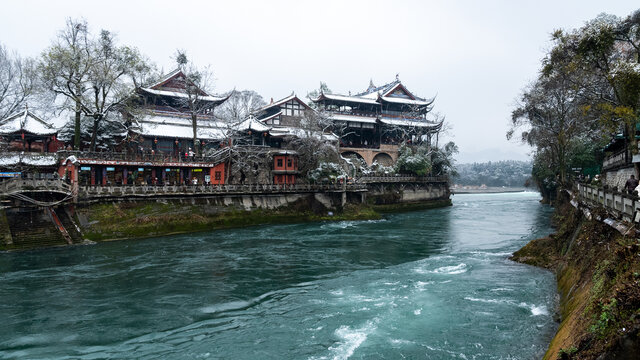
x,y
619,161
372,124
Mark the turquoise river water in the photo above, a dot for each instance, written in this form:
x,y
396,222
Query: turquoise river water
x,y
433,284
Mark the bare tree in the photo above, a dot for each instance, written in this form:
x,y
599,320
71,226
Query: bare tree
x,y
17,81
197,83
64,68
240,105
95,76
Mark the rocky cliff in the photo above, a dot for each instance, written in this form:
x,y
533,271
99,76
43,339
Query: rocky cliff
x,y
598,274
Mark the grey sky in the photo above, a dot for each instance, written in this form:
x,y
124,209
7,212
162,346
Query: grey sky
x,y
475,56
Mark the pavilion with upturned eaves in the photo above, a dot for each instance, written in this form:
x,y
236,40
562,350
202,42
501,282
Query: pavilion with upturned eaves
x,y
165,125
29,145
374,123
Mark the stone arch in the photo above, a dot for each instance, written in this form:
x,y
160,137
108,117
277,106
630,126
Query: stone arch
x,y
383,159
348,154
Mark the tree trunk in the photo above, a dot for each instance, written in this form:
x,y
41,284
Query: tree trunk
x,y
194,125
77,141
94,134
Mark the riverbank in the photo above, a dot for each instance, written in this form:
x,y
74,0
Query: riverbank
x,y
122,218
118,221
598,277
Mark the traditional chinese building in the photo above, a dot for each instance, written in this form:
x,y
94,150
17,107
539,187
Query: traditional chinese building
x,y
372,124
160,150
286,119
26,132
285,167
86,169
163,124
28,146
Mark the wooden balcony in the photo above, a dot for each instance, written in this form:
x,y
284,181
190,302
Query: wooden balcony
x,y
617,160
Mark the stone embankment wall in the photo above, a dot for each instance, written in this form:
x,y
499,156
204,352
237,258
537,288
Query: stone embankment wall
x,y
132,218
617,178
406,193
135,217
598,276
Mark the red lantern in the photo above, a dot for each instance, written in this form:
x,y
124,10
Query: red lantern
x,y
177,141
22,134
264,134
155,141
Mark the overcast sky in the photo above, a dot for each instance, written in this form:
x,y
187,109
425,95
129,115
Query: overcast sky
x,y
476,56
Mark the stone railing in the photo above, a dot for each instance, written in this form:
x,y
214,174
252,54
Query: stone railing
x,y
189,190
402,179
620,205
13,186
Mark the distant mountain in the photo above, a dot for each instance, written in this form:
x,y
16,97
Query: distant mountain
x,y
509,173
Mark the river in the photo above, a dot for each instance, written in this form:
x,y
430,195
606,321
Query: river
x,y
434,284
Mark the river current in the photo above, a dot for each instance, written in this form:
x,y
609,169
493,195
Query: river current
x,y
434,284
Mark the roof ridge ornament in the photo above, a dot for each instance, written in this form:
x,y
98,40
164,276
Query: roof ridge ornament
x,y
371,86
398,77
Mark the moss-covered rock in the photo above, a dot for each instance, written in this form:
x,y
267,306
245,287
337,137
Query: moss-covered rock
x,y
121,220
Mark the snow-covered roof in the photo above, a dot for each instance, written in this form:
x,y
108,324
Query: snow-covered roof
x,y
215,99
180,127
376,95
179,119
166,78
356,99
179,131
251,124
265,119
354,118
177,89
33,159
26,121
407,101
409,123
372,89
301,133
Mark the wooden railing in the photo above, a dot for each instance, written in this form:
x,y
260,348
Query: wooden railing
x,y
617,159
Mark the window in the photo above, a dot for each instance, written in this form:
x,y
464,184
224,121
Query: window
x,y
279,162
292,108
218,175
289,163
